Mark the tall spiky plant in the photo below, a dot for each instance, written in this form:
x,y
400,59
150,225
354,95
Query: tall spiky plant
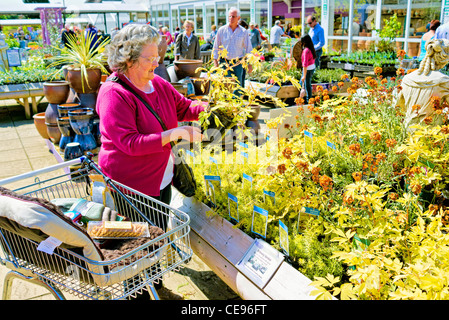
x,y
82,53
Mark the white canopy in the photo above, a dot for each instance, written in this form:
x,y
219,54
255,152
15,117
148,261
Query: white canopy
x,y
105,7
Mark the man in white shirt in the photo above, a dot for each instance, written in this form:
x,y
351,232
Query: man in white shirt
x,y
276,33
235,39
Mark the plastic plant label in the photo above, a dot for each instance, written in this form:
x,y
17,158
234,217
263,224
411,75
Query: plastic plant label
x,y
49,245
211,192
308,142
213,160
312,211
211,182
247,178
245,155
233,207
283,237
269,194
244,145
259,221
330,146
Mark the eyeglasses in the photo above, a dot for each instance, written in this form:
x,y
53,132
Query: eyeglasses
x,y
309,23
151,60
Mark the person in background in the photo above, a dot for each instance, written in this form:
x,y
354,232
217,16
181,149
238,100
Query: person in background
x,y
276,33
442,32
33,34
308,57
92,32
235,39
434,24
213,33
261,34
316,32
187,45
175,35
289,31
207,46
160,31
254,35
243,24
65,35
166,33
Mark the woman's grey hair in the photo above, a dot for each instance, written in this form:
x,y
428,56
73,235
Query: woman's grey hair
x,y
437,56
128,43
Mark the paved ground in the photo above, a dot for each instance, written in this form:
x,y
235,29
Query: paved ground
x,y
22,150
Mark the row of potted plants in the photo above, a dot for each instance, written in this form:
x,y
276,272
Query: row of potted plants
x,y
365,203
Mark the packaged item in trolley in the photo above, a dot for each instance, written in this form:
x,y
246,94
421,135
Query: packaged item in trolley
x,y
117,229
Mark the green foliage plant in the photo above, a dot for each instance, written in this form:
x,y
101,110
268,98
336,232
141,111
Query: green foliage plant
x,y
82,54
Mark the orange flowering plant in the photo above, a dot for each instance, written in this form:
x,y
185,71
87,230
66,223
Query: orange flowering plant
x,y
380,193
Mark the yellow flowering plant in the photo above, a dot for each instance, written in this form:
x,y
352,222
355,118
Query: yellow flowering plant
x,y
378,193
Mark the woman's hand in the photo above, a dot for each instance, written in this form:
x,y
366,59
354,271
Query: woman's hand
x,y
188,133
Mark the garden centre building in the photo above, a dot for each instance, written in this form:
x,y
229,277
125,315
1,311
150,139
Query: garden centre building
x,y
334,15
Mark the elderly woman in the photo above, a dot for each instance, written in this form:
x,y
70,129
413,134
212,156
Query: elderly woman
x,y
420,87
135,150
187,45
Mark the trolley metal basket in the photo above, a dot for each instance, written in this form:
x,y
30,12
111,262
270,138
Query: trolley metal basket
x,y
69,271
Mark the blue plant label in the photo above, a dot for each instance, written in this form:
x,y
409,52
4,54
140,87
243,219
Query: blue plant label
x,y
248,178
190,153
244,145
213,178
330,145
211,192
312,211
213,160
308,142
260,216
233,207
244,154
270,194
283,237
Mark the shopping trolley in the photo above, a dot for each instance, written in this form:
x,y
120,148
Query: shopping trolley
x,y
69,271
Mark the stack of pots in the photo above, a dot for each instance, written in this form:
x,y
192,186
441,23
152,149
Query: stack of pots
x,y
67,132
86,91
56,92
82,122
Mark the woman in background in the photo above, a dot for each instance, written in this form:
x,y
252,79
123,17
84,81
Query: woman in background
x,y
187,45
308,57
434,24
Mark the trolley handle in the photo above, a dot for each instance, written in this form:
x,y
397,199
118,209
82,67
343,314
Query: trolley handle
x,y
91,164
43,170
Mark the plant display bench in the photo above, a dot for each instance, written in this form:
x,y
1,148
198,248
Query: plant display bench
x,y
221,246
22,93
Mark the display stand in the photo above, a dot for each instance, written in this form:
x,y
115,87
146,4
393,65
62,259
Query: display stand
x,y
223,248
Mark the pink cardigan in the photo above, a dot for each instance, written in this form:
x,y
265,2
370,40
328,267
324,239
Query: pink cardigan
x,y
131,151
307,58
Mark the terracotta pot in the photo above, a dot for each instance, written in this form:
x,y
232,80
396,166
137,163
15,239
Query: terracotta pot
x,y
76,81
186,68
162,49
53,132
51,120
56,92
199,83
64,108
41,127
66,131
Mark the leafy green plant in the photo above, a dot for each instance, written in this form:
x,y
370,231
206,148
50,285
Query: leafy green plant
x,y
83,53
388,33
